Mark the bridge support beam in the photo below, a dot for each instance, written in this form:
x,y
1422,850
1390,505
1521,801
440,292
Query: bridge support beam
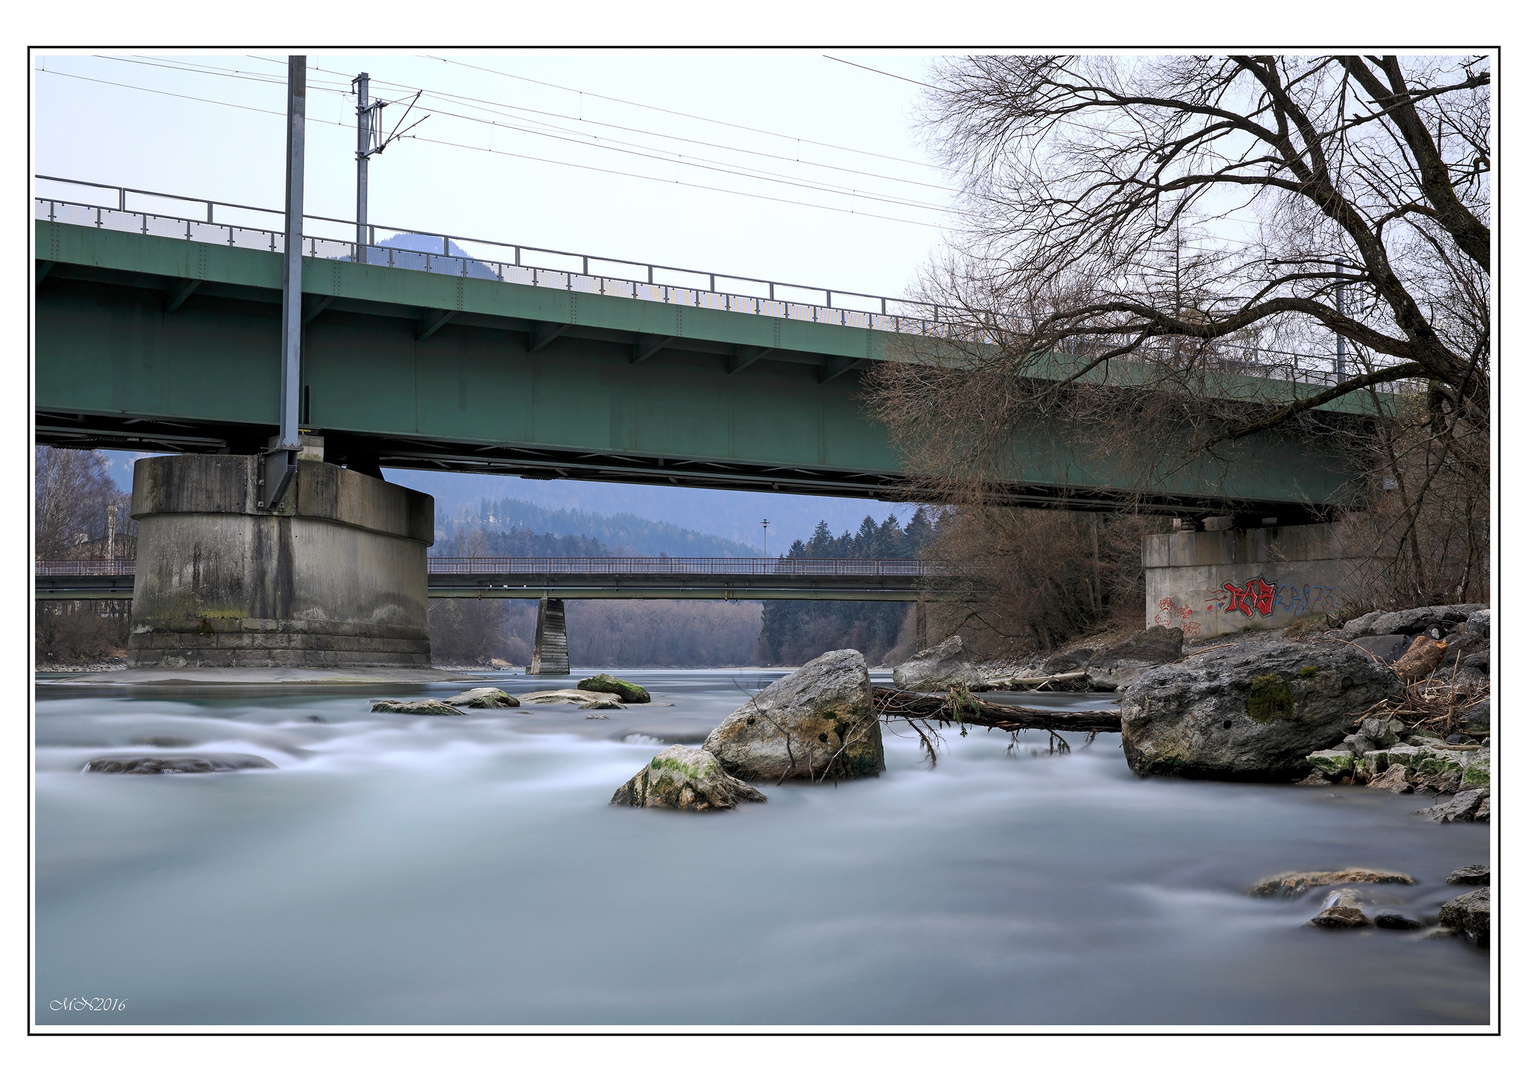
x,y
549,655
1219,582
333,576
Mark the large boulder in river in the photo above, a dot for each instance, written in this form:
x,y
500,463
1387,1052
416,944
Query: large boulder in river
x,y
1253,715
937,668
818,722
584,699
1120,665
1469,914
609,684
683,778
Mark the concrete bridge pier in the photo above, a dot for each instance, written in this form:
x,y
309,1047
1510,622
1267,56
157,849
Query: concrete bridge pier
x,y
549,655
1223,579
333,576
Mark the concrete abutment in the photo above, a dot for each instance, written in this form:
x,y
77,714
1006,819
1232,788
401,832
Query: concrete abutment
x,y
1221,582
335,576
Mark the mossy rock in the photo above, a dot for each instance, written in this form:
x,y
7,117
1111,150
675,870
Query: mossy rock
x,y
684,778
630,693
1269,699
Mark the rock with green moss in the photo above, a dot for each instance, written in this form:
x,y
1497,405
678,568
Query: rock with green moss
x,y
630,693
819,722
424,707
1257,714
1331,763
584,699
484,697
684,778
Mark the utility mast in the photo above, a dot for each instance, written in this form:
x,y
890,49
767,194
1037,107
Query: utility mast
x,y
368,125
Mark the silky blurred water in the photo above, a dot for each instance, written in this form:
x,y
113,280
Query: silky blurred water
x,y
468,870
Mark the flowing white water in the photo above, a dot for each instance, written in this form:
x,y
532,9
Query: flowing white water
x,y
467,870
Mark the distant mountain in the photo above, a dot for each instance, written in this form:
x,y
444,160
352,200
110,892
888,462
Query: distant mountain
x,y
626,533
399,251
731,515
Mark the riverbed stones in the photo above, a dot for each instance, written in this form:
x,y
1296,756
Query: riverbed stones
x,y
1470,914
1254,715
1473,874
586,699
1120,665
1396,920
630,693
164,766
1333,763
1462,807
1299,882
1340,917
1479,622
684,778
819,722
1409,622
422,707
484,697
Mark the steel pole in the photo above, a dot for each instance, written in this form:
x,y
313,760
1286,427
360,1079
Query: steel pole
x,y
281,460
362,159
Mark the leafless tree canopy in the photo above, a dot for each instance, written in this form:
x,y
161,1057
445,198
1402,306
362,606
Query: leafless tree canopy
x,y
1202,214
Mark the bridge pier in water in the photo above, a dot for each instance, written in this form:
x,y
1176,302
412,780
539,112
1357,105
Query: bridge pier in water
x,y
549,655
1219,581
333,576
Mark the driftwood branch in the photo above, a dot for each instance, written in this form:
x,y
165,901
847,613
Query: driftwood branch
x,y
963,707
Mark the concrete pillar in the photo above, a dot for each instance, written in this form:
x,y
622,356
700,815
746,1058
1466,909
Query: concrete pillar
x,y
1219,582
550,653
335,576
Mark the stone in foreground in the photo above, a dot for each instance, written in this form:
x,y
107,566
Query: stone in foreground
x,y
1462,807
683,778
582,698
1256,715
1297,883
484,697
816,723
160,766
1470,914
630,693
1396,920
1474,874
423,707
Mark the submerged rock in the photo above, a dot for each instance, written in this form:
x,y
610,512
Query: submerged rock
x,y
1396,920
1470,914
1255,715
1298,883
1341,917
1120,665
630,693
156,766
586,699
683,778
484,697
817,722
422,707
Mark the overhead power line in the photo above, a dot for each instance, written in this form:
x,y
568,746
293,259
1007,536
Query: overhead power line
x,y
523,157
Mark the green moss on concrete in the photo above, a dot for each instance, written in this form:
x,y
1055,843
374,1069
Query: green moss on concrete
x,y
1269,699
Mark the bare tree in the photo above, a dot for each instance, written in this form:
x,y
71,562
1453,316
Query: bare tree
x,y
1139,230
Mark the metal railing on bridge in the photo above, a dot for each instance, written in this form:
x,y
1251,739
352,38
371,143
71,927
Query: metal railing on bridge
x,y
586,565
158,213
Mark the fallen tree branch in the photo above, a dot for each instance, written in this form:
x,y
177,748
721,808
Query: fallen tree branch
x,y
966,708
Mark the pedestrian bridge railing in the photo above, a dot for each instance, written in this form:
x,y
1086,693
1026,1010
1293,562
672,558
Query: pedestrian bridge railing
x,y
591,565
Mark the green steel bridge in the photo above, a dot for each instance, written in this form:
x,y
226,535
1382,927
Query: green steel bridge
x,y
157,327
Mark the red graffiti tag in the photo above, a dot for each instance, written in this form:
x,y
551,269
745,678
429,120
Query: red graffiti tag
x,y
1256,596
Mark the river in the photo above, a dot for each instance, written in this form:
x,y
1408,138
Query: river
x,y
468,870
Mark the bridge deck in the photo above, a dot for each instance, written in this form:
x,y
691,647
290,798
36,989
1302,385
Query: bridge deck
x,y
161,332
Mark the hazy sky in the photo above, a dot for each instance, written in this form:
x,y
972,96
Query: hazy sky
x,y
792,165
